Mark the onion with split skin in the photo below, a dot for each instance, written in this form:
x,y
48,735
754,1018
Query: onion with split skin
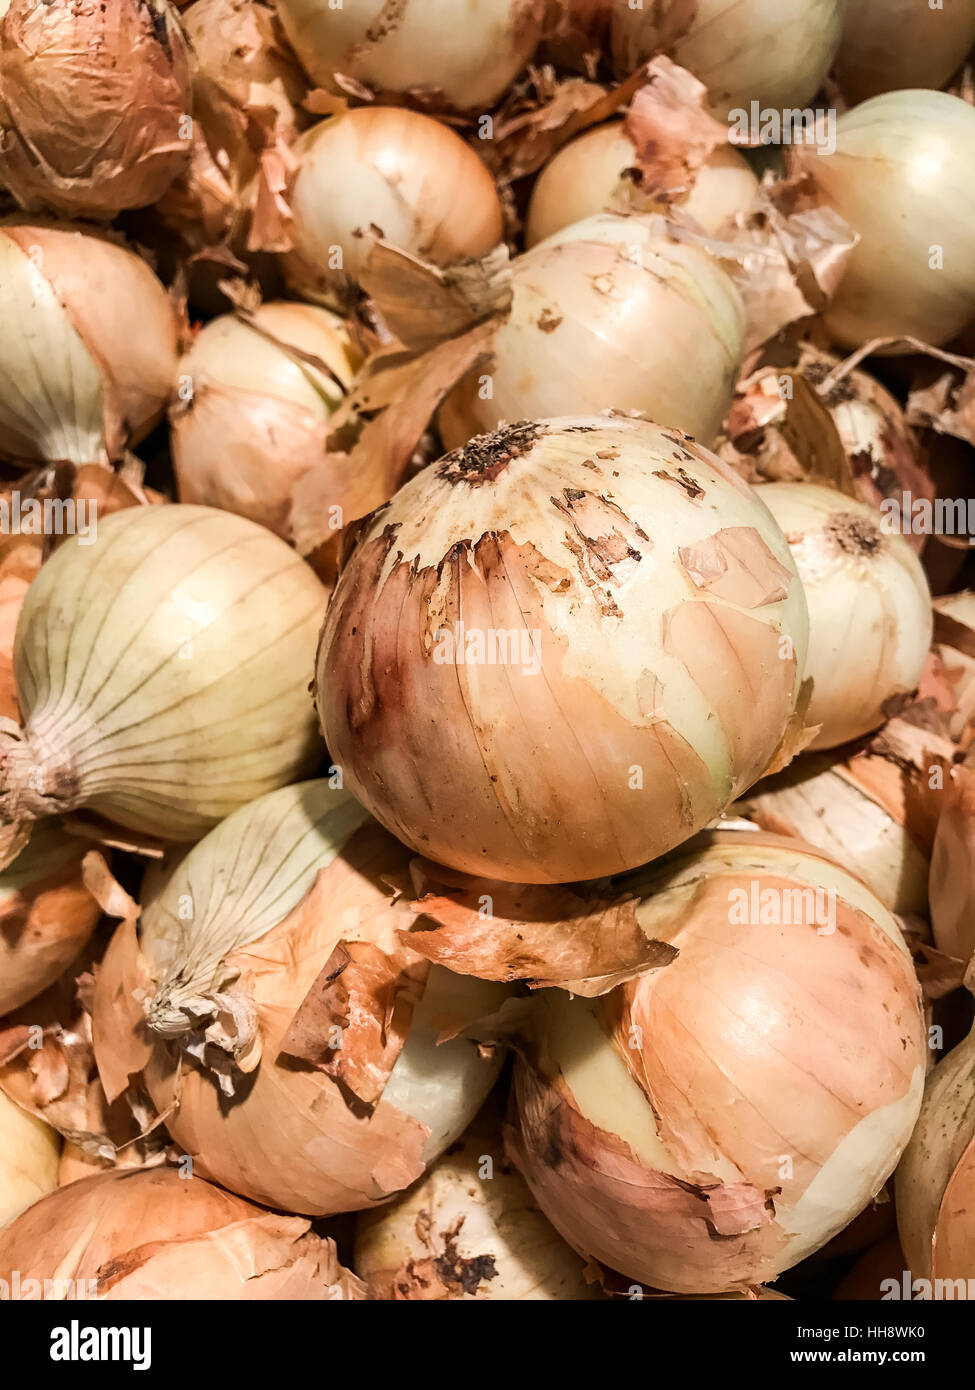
x,y
162,673
870,618
561,650
891,44
710,1123
278,1020
29,1151
609,314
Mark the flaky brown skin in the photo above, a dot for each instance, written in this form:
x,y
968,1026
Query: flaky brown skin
x,y
43,928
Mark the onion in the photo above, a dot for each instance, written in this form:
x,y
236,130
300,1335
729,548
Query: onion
x,y
28,1159
469,1229
162,672
954,633
890,44
561,650
236,987
94,360
423,49
159,1234
952,880
381,171
909,275
94,104
609,313
934,1181
869,607
259,393
46,915
589,176
711,1123
775,52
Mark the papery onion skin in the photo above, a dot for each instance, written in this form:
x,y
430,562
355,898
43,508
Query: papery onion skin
x,y
256,408
892,44
776,52
711,1123
870,618
94,104
98,347
173,687
47,915
418,48
383,171
609,313
908,274
575,533
160,1234
29,1151
588,176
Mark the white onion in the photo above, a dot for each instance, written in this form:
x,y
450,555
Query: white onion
x,y
29,1151
890,44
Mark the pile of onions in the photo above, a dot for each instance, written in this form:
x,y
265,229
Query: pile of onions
x,y
29,1151
900,177
935,1185
421,49
94,104
869,607
469,1229
389,173
47,915
160,1234
892,44
94,359
561,650
253,407
775,52
589,176
162,672
607,314
710,1123
269,1002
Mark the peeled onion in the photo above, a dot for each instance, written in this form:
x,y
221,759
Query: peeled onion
x,y
162,673
423,48
93,361
869,607
28,1159
712,1122
609,313
258,394
891,44
621,637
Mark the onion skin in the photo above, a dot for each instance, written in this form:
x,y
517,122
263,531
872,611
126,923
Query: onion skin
x,y
423,49
870,620
539,527
891,44
156,1234
710,1124
183,631
93,101
29,1151
103,338
577,338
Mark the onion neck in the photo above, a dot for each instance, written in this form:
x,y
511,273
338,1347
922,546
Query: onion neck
x,y
36,779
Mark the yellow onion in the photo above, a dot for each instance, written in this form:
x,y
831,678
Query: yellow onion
x,y
254,400
890,44
270,1000
609,313
589,176
160,1234
561,650
382,171
424,49
46,915
936,1178
94,358
954,634
900,177
28,1159
469,1229
94,104
710,1123
869,606
775,52
162,673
